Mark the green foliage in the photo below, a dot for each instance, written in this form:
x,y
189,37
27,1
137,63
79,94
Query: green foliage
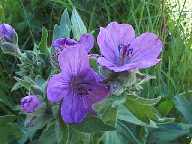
x,y
78,26
48,135
9,131
44,41
64,28
9,48
183,103
93,125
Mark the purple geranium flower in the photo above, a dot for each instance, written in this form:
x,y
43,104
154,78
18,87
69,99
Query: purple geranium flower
x,y
78,87
30,103
122,51
7,33
86,41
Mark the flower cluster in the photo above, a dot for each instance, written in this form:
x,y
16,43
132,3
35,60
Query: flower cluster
x,y
77,87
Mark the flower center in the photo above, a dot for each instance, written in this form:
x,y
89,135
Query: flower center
x,y
82,90
125,53
80,87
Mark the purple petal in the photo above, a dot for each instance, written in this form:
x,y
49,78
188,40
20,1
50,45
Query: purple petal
x,y
102,61
57,87
87,41
73,60
111,37
74,108
98,92
147,48
62,43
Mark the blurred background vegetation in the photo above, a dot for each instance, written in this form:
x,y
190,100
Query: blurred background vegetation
x,y
173,74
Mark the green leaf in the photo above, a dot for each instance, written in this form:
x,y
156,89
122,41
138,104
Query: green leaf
x,y
26,82
184,105
122,135
112,137
37,120
124,114
64,28
165,107
139,111
48,135
43,43
10,48
9,131
61,131
78,27
144,101
168,133
92,125
106,112
142,109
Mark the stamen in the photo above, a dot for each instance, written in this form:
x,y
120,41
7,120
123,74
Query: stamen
x,y
125,53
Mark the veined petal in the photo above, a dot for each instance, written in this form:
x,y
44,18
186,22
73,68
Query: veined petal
x,y
104,62
87,41
126,67
73,60
147,48
74,108
58,87
111,37
76,105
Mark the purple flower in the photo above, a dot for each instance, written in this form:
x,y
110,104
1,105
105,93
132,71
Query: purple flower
x,y
30,103
7,33
86,41
122,51
78,87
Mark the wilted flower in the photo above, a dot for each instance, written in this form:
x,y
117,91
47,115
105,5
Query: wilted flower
x,y
7,33
30,103
86,41
122,51
78,87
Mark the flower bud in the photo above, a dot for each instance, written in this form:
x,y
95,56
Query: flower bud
x,y
7,33
30,103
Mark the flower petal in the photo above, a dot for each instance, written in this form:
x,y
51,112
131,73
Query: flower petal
x,y
87,41
62,43
98,92
73,60
111,37
147,48
102,61
74,108
57,87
